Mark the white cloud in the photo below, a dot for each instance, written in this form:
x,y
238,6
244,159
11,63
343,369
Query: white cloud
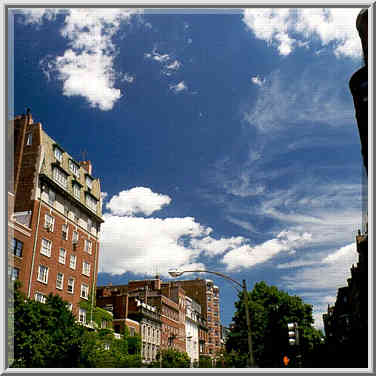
x,y
137,200
39,15
214,247
169,66
128,78
138,245
257,80
87,67
181,86
88,75
247,256
287,28
175,65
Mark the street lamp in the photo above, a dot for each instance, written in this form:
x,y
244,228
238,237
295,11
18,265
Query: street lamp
x,y
243,286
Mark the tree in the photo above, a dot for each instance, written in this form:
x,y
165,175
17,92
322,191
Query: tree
x,y
205,361
172,358
45,335
102,350
271,310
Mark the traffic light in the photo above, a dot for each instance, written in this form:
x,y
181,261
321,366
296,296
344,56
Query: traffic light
x,y
293,333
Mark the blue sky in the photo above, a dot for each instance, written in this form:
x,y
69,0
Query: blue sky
x,y
223,140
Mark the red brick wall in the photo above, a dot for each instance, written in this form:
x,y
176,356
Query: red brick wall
x,y
53,262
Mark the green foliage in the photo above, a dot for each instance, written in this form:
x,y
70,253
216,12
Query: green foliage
x,y
45,335
172,358
102,350
205,361
271,310
96,314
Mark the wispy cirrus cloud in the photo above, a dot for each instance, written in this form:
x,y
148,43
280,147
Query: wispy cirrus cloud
x,y
86,68
299,100
285,29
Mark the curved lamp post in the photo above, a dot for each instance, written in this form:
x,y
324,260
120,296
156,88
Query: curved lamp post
x,y
243,286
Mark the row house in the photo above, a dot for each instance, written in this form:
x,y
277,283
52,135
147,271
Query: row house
x,y
55,221
115,301
150,328
192,323
206,294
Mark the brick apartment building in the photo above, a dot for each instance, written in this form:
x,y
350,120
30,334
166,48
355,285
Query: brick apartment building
x,y
206,294
54,210
169,300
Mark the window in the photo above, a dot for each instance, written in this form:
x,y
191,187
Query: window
x,y
86,268
62,255
40,298
17,246
89,182
72,262
60,177
71,285
74,168
29,139
58,154
88,246
75,237
42,274
84,291
49,222
46,247
82,316
104,324
59,281
64,231
14,273
51,197
89,224
91,202
76,191
131,331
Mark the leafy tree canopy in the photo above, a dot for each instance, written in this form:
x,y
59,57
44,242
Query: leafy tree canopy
x,y
271,310
45,335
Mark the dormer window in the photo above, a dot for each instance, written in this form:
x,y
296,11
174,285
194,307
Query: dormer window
x,y
91,202
60,177
89,182
75,168
76,191
58,154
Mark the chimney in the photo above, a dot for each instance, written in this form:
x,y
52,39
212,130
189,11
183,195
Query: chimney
x,y
157,283
87,166
29,117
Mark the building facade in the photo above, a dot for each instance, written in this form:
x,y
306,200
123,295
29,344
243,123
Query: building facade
x,y
192,324
55,221
346,322
205,293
